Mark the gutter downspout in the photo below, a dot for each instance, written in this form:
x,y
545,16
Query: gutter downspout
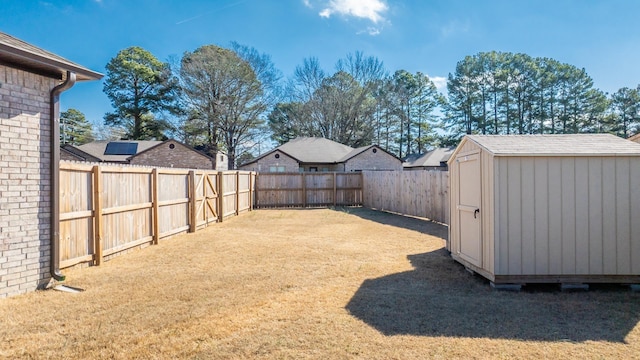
x,y
54,115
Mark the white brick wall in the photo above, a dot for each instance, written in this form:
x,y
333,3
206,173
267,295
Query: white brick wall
x,y
24,181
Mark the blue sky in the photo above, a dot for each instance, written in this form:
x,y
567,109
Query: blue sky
x,y
430,36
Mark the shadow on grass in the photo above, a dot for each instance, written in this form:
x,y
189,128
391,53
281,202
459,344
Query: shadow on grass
x,y
406,222
439,298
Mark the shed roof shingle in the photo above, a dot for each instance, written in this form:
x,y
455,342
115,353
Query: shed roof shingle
x,y
556,145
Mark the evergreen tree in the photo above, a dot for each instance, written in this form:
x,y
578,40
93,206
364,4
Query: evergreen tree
x,y
74,128
140,88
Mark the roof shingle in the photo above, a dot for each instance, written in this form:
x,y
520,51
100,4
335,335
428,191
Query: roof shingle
x,y
14,50
556,145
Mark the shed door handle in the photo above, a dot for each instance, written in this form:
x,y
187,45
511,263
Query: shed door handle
x,y
477,211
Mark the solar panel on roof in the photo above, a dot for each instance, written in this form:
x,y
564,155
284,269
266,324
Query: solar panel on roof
x,y
121,148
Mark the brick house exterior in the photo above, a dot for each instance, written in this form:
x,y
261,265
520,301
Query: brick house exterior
x,y
372,158
168,153
172,153
31,80
277,161
318,154
635,138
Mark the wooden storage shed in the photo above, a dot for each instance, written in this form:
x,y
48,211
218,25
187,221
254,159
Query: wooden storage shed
x,y
546,208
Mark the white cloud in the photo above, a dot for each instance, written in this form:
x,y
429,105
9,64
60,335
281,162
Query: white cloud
x,y
440,83
372,10
307,3
371,30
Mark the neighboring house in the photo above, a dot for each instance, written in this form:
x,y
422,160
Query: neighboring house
x,y
169,153
635,138
31,81
435,159
319,154
72,153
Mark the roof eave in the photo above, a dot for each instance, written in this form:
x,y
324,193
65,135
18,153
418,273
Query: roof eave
x,y
36,61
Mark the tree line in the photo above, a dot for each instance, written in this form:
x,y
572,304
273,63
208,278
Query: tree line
x,y
234,99
507,93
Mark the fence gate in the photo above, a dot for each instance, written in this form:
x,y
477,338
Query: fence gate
x,y
206,204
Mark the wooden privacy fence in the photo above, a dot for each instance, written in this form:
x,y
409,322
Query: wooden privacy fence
x,y
105,209
415,193
308,189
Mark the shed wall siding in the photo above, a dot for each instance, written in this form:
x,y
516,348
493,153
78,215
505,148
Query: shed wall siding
x,y
567,215
487,212
488,209
24,181
178,157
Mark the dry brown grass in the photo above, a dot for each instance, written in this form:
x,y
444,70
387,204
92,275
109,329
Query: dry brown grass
x,y
351,283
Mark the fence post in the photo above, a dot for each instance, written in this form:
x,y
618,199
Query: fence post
x,y
335,189
255,189
220,196
362,188
97,215
250,191
237,193
193,201
156,206
205,199
304,190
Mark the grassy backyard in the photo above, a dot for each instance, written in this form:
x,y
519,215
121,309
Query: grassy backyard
x,y
345,283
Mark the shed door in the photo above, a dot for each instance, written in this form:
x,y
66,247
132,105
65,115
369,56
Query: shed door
x,y
468,207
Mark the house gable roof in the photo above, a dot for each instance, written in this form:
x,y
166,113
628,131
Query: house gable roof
x,y
315,150
160,143
554,145
75,151
360,150
635,138
432,158
272,151
14,51
97,149
312,150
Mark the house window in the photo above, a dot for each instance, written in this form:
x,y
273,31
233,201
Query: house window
x,y
277,156
325,169
375,150
172,146
313,169
301,169
276,168
221,157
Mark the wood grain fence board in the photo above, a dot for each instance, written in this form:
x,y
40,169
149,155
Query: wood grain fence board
x,y
307,189
416,193
108,208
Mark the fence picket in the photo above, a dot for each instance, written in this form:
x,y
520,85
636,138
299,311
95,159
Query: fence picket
x,y
108,208
415,193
